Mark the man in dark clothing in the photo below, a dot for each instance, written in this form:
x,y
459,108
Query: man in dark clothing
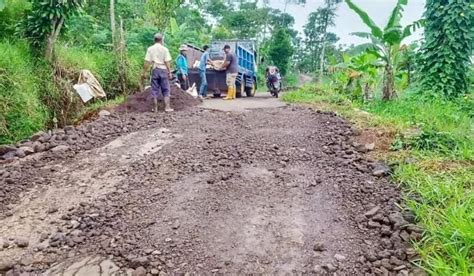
x,y
230,64
205,60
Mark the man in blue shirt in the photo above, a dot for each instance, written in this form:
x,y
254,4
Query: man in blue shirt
x,y
182,66
202,72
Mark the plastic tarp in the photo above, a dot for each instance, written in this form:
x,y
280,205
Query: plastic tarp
x,y
88,87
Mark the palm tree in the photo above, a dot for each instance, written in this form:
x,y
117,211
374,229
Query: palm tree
x,y
386,43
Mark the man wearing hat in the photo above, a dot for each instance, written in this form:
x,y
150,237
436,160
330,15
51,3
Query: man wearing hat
x,y
231,67
182,66
158,58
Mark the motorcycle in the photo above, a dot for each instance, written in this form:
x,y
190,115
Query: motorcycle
x,y
274,84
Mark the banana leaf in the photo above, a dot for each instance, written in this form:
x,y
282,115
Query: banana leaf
x,y
396,15
375,30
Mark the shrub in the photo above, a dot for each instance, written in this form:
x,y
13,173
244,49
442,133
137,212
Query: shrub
x,y
21,111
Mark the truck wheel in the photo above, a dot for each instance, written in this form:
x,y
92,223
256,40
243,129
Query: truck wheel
x,y
240,90
250,91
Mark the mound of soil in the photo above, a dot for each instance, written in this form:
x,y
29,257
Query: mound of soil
x,y
143,102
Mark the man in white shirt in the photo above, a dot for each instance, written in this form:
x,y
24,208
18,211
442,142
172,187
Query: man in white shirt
x,y
158,58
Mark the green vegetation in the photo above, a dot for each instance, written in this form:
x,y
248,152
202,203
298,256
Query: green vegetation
x,y
430,124
386,43
40,59
51,41
432,151
447,50
281,50
419,94
21,110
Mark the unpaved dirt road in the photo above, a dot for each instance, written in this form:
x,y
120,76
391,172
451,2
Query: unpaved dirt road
x,y
269,189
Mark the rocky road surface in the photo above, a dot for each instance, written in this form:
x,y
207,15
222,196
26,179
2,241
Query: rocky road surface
x,y
274,190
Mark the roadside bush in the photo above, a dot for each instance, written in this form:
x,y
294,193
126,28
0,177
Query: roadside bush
x,y
430,139
13,10
33,92
445,127
98,61
21,111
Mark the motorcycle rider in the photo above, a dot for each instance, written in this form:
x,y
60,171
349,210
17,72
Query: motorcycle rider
x,y
271,71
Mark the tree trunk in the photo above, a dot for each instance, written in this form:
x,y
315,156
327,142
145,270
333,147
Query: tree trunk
x,y
388,84
57,24
323,47
366,92
321,60
122,59
112,22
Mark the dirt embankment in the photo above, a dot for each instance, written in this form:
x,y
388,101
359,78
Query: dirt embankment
x,y
278,190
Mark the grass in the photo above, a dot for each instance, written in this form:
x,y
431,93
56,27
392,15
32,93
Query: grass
x,y
30,98
438,181
92,109
21,111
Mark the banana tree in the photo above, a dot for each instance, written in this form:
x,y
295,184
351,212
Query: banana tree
x,y
360,73
385,43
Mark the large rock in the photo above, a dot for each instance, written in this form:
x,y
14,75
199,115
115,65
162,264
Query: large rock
x,y
397,220
20,242
140,261
372,212
139,271
37,136
381,170
6,149
38,147
104,113
9,155
20,153
6,264
60,148
45,138
27,150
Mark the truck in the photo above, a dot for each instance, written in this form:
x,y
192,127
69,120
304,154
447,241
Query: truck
x,y
246,81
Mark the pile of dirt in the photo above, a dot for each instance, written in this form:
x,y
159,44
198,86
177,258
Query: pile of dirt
x,y
143,102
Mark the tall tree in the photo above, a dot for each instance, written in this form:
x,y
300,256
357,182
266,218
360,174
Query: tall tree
x,y
317,39
46,19
328,14
161,11
281,50
447,49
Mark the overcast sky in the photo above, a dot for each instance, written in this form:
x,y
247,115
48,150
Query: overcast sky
x,y
348,22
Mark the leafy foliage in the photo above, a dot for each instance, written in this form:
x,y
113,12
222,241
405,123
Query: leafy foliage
x,y
447,50
386,43
160,11
359,75
21,111
318,43
281,50
46,19
12,11
429,139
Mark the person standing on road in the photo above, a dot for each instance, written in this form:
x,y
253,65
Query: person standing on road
x,y
202,72
182,66
230,65
158,58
